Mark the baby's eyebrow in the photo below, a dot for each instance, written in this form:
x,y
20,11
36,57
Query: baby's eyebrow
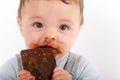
x,y
67,21
37,17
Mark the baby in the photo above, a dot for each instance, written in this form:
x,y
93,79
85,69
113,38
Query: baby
x,y
53,23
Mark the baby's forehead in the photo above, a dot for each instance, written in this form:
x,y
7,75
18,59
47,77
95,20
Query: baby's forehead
x,y
24,3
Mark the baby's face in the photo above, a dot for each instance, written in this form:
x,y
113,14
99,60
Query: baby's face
x,y
50,23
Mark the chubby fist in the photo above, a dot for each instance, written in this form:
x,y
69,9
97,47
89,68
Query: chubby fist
x,y
61,74
25,75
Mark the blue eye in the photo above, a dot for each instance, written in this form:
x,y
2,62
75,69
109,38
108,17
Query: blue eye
x,y
63,27
38,25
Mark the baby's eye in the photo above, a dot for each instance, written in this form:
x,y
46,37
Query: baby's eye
x,y
38,25
63,27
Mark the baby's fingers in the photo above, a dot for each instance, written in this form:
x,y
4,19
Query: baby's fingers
x,y
25,75
61,74
26,78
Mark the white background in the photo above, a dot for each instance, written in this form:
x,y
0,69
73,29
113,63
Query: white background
x,y
99,39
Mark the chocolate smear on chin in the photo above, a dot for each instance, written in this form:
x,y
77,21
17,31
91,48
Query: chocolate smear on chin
x,y
40,62
56,49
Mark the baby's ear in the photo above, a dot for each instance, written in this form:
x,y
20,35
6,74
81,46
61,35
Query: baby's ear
x,y
19,21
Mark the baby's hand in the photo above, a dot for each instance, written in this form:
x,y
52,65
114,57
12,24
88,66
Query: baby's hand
x,y
25,75
61,74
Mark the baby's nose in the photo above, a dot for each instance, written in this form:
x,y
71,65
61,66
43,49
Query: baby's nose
x,y
50,34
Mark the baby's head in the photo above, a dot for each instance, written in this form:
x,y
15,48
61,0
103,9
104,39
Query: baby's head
x,y
54,23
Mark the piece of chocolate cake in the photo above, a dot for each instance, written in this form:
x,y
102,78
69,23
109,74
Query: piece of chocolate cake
x,y
40,62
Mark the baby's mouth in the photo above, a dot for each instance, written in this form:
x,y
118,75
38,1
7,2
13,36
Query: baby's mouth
x,y
55,48
45,46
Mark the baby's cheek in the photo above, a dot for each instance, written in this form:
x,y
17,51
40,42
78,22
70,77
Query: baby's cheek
x,y
65,47
33,45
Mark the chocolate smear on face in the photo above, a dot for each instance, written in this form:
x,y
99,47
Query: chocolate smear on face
x,y
58,49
